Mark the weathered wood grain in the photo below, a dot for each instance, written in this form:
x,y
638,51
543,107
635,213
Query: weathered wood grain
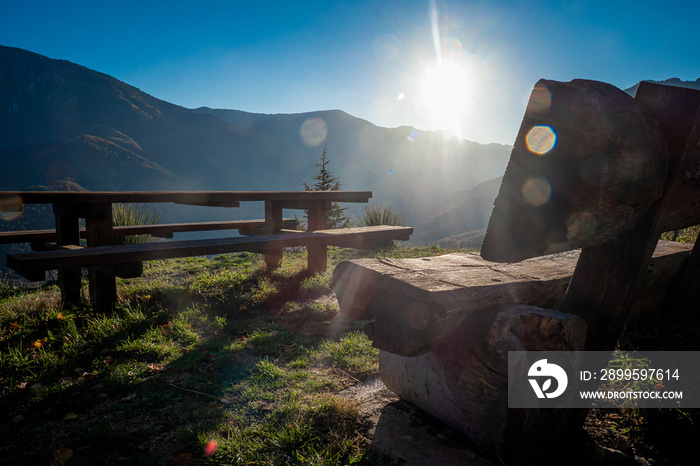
x,y
609,276
607,165
463,381
416,303
68,233
359,238
205,198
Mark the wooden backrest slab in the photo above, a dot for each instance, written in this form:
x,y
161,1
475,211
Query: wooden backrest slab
x,y
587,163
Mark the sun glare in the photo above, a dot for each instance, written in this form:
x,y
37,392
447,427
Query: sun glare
x,y
446,90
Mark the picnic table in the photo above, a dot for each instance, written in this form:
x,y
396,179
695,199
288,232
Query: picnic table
x,y
106,260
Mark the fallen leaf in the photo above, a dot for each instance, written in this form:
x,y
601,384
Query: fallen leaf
x,y
182,459
130,397
18,418
226,400
14,326
59,457
156,367
89,376
39,343
60,317
78,370
70,417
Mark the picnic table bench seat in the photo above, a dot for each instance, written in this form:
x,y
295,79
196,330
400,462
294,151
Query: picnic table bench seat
x,y
32,265
160,230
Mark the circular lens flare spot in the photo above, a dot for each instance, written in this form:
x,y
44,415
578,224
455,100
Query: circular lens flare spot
x,y
313,132
10,207
541,139
537,191
211,447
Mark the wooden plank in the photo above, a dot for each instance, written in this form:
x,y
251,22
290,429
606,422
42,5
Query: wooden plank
x,y
318,220
273,225
182,197
99,232
416,303
683,297
360,238
68,233
603,166
463,381
161,230
609,276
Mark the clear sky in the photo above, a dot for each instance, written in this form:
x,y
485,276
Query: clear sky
x,y
464,66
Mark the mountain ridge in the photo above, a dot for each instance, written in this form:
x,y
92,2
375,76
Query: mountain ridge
x,y
60,120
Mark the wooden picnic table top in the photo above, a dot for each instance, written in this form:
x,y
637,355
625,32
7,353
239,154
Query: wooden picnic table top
x,y
209,198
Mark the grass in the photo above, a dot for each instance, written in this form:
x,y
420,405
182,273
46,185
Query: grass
x,y
202,361
209,361
379,214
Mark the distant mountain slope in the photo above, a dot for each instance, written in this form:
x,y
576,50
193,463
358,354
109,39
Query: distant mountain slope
x,y
669,82
58,119
61,120
463,220
411,169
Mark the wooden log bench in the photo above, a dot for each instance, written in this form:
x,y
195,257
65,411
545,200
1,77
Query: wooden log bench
x,y
591,168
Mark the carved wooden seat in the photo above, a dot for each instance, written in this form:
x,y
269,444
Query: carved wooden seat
x,y
591,168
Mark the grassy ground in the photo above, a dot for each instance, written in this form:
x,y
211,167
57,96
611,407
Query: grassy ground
x,y
203,361
208,361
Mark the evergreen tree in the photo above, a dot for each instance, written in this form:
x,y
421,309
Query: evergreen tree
x,y
325,181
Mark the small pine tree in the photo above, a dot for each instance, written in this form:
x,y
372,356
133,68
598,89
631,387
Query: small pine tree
x,y
325,181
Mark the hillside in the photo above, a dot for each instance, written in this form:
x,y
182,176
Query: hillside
x,y
669,82
461,224
60,120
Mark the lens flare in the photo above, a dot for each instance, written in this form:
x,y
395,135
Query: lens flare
x,y
210,448
10,207
313,132
541,139
540,100
537,191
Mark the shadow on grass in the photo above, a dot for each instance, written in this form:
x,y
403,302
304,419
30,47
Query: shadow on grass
x,y
156,402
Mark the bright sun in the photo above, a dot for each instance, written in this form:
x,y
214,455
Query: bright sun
x,y
446,90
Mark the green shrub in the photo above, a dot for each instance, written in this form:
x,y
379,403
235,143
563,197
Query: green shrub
x,y
130,214
379,214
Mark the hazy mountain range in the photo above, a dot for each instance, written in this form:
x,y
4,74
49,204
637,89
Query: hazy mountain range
x,y
60,121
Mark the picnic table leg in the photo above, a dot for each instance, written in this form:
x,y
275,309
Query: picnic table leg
x,y
68,232
318,220
273,224
99,232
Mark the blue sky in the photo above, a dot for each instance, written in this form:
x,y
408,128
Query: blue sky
x,y
376,60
